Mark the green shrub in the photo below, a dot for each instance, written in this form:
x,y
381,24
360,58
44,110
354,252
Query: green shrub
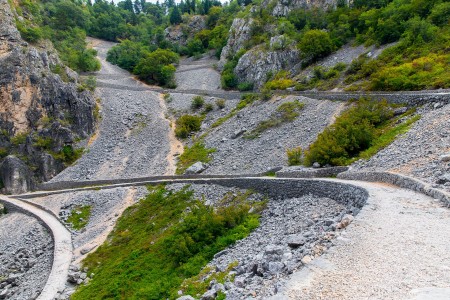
x,y
19,139
315,44
3,152
186,124
43,142
353,132
208,108
197,152
68,154
245,86
197,102
156,67
294,156
280,81
220,103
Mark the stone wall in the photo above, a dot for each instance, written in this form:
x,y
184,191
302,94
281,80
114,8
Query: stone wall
x,y
400,181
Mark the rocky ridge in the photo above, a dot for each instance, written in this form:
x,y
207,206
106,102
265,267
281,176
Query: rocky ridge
x,y
37,104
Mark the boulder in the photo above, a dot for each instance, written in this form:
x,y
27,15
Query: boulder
x,y
257,63
443,179
296,241
196,168
15,175
187,297
445,157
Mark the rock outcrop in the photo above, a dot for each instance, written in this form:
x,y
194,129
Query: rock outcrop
x,y
256,64
239,33
283,7
15,175
180,34
36,104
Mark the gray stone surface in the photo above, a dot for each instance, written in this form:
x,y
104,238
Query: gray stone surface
x,y
15,176
26,253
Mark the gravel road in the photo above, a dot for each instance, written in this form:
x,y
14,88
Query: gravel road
x,y
397,248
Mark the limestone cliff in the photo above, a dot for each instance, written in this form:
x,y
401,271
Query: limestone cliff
x,y
39,112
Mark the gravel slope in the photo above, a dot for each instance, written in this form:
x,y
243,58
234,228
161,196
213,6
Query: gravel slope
x,y
26,256
133,136
397,248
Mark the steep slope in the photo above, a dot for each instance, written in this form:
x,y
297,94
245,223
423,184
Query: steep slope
x,y
41,116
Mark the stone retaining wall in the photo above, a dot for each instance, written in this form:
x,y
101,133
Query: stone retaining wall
x,y
300,172
400,181
346,194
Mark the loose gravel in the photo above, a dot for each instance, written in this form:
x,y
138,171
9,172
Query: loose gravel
x,y
133,136
26,256
238,155
198,74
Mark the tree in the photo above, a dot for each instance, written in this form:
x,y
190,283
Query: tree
x,y
175,16
315,44
156,67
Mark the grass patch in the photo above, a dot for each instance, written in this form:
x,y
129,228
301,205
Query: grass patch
x,y
286,112
187,124
197,152
79,217
295,156
164,239
19,139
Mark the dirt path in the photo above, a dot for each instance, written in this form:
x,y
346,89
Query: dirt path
x,y
397,248
176,146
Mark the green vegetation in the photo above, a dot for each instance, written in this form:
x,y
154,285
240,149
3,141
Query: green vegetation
x,y
209,107
295,156
197,152
359,132
79,216
19,139
281,81
315,44
166,238
246,99
187,124
220,103
68,155
197,102
156,67
286,112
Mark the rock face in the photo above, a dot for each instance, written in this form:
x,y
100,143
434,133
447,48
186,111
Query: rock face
x,y
15,175
35,103
283,7
239,33
180,34
256,64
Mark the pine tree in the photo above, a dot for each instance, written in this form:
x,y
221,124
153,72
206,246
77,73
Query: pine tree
x,y
175,16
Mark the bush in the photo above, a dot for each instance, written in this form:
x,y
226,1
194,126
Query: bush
x,y
294,156
187,124
220,103
315,44
208,108
281,81
156,67
353,132
245,86
197,102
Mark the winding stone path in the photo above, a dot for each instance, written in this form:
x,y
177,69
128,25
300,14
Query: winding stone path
x,y
62,255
